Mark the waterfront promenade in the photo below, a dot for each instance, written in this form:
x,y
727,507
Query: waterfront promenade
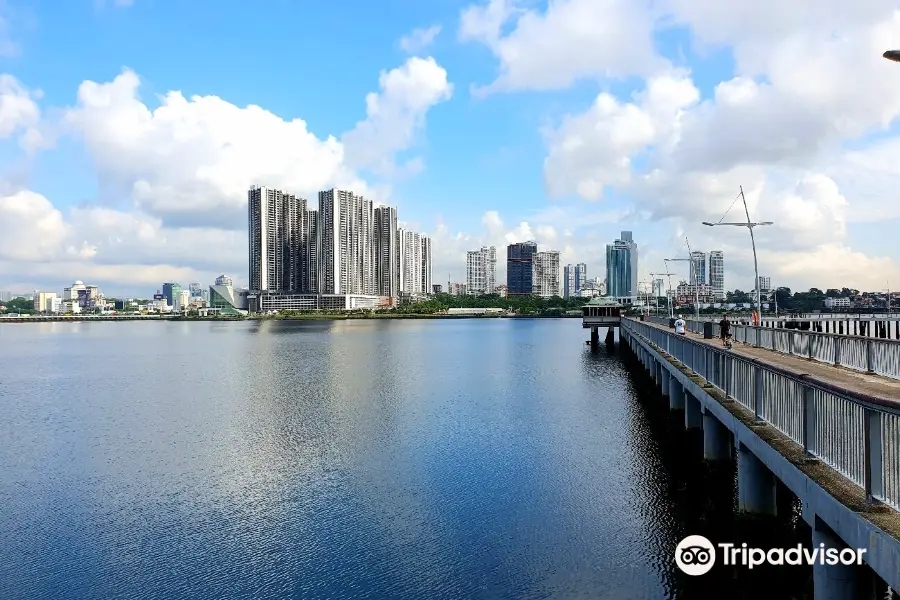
x,y
830,434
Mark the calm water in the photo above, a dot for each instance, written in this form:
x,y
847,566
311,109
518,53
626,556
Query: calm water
x,y
363,459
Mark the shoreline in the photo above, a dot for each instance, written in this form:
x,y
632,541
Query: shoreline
x,y
313,317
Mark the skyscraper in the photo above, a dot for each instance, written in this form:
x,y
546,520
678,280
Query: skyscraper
x,y
545,276
425,277
387,252
519,268
346,250
481,270
276,240
698,268
622,267
171,291
765,283
717,274
574,276
311,253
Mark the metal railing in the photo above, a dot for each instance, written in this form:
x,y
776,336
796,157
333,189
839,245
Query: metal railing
x,y
868,355
857,435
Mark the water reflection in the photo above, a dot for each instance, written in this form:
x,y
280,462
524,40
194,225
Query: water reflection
x,y
347,459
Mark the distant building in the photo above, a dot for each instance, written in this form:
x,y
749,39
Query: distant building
x,y
171,291
347,244
278,228
436,288
545,276
502,291
520,268
688,294
481,270
574,276
224,280
622,267
182,300
765,284
195,289
44,301
698,268
415,262
5,296
717,274
224,299
837,302
387,252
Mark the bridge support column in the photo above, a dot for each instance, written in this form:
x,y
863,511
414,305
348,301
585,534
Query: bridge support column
x,y
715,439
676,394
756,484
595,338
666,383
610,337
840,581
692,417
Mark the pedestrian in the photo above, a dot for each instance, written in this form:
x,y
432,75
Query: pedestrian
x,y
679,326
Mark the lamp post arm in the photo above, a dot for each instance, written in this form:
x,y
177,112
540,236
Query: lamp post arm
x,y
753,244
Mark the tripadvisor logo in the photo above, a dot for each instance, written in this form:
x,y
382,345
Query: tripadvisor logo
x,y
696,555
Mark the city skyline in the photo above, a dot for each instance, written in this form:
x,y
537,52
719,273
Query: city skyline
x,y
130,167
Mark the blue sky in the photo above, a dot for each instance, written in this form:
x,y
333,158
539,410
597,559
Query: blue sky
x,y
481,153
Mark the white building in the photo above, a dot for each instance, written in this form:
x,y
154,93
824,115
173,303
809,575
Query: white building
x,y
837,302
346,249
717,274
182,301
415,262
224,280
545,274
481,270
765,283
278,232
44,301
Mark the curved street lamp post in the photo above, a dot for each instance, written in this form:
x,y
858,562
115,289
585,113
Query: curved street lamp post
x,y
749,225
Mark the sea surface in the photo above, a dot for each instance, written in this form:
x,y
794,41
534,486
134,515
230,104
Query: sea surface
x,y
407,459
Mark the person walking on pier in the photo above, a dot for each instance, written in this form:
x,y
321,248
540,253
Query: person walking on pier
x,y
725,330
679,326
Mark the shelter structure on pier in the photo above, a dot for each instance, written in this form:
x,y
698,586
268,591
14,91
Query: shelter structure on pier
x,y
602,311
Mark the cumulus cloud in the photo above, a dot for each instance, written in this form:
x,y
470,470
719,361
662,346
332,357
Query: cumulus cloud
x,y
571,40
808,79
395,114
173,178
419,39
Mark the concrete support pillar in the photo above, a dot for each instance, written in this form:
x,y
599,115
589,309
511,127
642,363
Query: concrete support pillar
x,y
756,485
715,439
676,394
666,383
692,417
835,582
595,338
610,337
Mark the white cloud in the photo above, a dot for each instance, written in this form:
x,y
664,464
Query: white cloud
x,y
395,114
173,178
419,39
809,79
571,40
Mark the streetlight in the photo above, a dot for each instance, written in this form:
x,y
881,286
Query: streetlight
x,y
696,286
893,55
671,296
750,225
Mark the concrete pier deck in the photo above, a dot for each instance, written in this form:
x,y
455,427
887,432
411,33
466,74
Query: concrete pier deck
x,y
876,386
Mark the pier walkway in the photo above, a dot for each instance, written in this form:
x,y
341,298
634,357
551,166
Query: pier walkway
x,y
830,434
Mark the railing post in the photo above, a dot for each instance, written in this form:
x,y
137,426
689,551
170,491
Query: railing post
x,y
809,347
873,464
837,350
808,408
870,356
757,393
790,344
728,376
758,330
